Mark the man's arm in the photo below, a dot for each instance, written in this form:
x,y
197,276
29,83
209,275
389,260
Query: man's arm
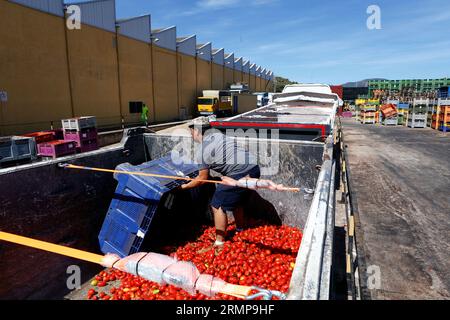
x,y
202,175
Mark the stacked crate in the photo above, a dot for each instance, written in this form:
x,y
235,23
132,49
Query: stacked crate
x,y
389,113
137,200
402,113
441,120
57,148
432,110
359,103
51,143
82,131
368,114
417,115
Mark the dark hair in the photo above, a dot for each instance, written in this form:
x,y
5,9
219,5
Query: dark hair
x,y
201,127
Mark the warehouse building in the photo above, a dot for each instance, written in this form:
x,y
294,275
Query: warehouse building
x,y
108,68
218,60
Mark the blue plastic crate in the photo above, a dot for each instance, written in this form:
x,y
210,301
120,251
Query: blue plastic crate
x,y
135,203
444,92
403,106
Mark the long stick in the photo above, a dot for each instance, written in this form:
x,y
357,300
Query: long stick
x,y
145,174
234,290
50,247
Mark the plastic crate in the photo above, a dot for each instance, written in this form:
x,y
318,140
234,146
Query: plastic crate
x,y
87,134
444,92
14,148
41,137
390,121
87,145
58,134
79,123
388,110
403,106
135,203
367,108
6,149
418,109
417,123
57,148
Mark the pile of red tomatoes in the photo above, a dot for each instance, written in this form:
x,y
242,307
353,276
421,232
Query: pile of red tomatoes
x,y
262,256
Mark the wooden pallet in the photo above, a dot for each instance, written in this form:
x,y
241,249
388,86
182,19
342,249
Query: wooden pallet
x,y
441,119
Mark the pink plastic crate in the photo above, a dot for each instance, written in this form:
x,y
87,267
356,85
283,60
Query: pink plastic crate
x,y
80,136
88,145
57,133
41,137
57,148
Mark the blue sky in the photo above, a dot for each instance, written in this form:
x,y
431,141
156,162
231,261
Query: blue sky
x,y
316,41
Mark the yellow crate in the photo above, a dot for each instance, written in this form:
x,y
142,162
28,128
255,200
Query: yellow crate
x,y
360,102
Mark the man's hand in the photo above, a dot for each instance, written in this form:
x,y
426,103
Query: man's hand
x,y
202,175
229,181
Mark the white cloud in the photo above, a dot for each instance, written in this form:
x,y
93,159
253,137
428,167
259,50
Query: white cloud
x,y
216,4
209,5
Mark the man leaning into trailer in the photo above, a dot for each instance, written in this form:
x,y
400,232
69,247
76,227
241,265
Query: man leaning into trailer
x,y
218,152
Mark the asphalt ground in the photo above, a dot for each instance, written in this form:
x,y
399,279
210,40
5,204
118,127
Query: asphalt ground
x,y
401,180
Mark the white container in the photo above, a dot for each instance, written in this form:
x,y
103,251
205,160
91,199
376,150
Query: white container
x,y
79,123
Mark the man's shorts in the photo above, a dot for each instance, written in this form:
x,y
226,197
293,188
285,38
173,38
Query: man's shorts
x,y
229,198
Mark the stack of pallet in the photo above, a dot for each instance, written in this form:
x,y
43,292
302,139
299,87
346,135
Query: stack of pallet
x,y
432,110
441,119
389,114
358,104
368,114
83,131
402,109
417,115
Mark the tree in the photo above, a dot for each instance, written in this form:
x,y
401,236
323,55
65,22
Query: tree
x,y
280,82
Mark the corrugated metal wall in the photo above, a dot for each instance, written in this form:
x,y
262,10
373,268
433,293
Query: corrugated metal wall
x,y
204,51
246,67
188,46
218,57
138,28
238,64
55,7
258,71
165,38
229,61
253,69
100,14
